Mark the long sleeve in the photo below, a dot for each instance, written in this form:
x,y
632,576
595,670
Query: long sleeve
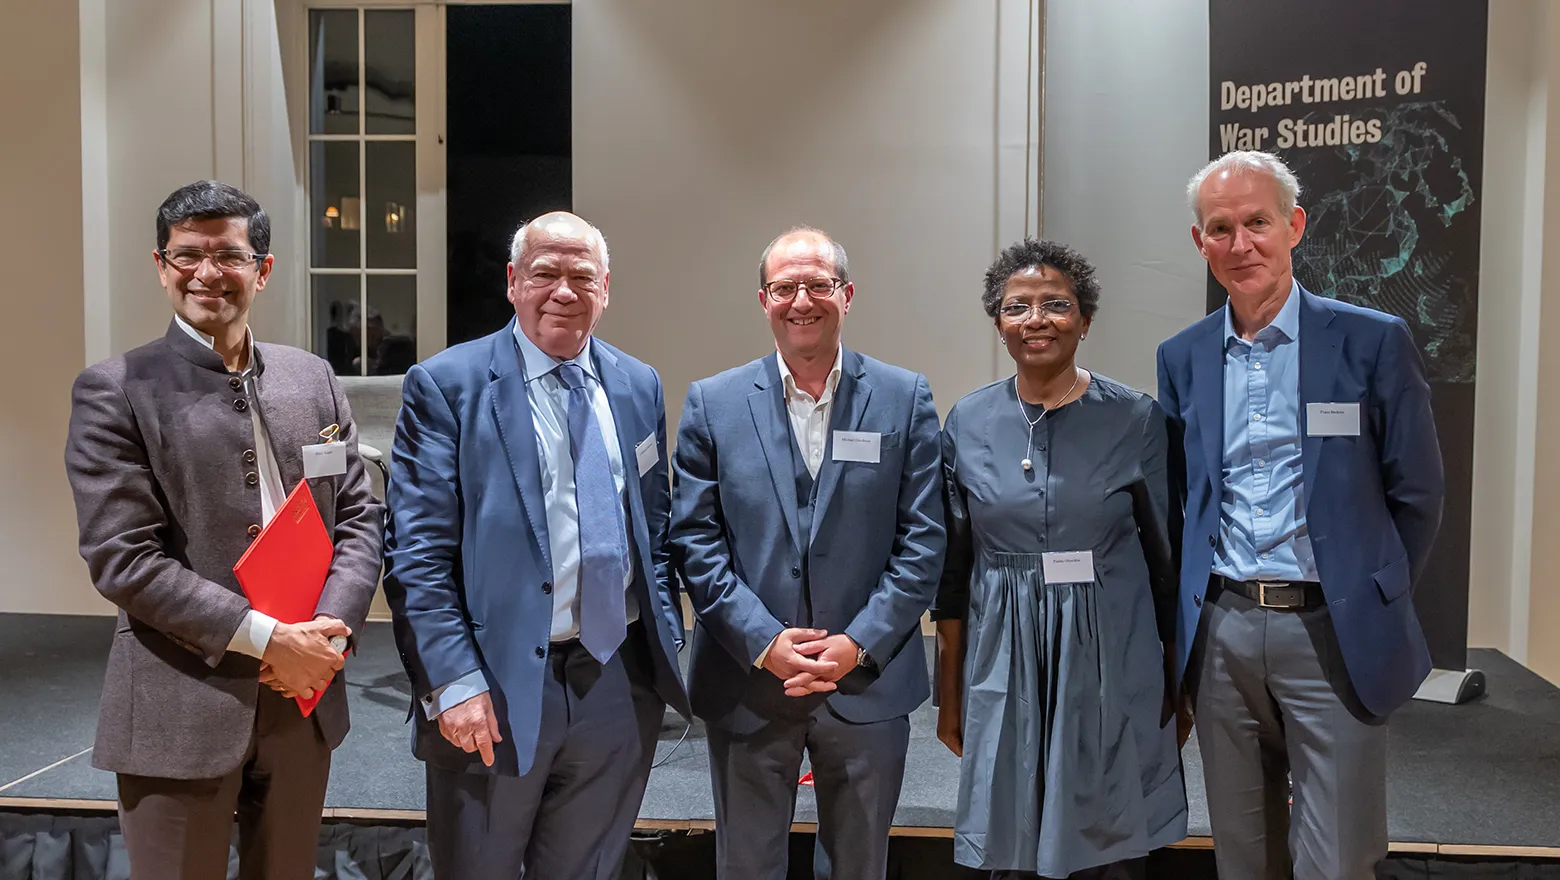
x,y
1175,457
909,582
953,589
123,523
727,607
658,516
1411,469
423,541
1151,511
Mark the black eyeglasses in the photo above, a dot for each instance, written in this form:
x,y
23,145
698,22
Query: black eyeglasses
x,y
186,259
817,288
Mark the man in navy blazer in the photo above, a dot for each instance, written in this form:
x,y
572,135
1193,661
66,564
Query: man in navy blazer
x,y
529,575
807,518
1305,454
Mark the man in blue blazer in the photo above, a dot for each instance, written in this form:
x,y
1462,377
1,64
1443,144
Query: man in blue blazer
x,y
1306,458
807,518
529,576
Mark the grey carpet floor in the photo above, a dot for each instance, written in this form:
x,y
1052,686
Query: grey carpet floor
x,y
1485,773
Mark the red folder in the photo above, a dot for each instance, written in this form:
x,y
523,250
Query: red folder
x,y
283,571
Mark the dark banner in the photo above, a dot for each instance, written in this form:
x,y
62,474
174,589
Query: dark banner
x,y
1379,108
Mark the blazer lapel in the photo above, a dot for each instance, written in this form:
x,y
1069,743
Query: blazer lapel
x,y
620,396
1208,399
850,403
512,415
1320,350
774,438
283,415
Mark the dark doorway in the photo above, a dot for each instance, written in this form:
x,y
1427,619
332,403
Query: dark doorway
x,y
509,152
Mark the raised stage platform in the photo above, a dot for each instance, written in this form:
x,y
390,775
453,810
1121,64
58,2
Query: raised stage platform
x,y
1480,780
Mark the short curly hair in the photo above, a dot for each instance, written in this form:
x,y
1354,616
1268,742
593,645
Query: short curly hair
x,y
1031,254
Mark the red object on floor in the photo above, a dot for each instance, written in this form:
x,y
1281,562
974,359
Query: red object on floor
x,y
806,779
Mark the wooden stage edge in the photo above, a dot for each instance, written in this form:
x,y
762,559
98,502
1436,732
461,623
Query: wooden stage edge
x,y
704,825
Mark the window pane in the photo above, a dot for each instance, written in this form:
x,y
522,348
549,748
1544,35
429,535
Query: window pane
x,y
389,71
392,324
337,321
333,71
503,167
392,191
336,212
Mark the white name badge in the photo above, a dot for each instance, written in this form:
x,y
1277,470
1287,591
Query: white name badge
x,y
647,454
1332,419
1076,567
864,446
324,460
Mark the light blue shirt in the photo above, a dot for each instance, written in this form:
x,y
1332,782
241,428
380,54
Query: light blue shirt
x,y
549,398
1262,528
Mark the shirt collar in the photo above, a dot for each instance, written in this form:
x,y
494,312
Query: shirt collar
x,y
539,363
211,341
1286,322
830,384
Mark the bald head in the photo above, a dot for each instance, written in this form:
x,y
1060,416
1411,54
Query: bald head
x,y
804,238
558,282
558,227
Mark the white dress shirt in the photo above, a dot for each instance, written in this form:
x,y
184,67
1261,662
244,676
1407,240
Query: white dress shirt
x,y
549,398
254,632
810,425
809,417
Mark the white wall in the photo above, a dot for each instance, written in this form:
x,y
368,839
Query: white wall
x,y
703,128
193,90
1518,414
1510,269
41,335
118,103
1513,605
921,172
1126,123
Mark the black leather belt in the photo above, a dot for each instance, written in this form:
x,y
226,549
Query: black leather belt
x,y
1276,595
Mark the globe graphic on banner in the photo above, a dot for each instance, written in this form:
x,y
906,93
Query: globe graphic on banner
x,y
1382,236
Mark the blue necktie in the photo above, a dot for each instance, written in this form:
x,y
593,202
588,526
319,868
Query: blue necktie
x,y
603,547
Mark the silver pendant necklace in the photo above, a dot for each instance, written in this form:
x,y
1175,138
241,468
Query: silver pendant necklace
x,y
1029,447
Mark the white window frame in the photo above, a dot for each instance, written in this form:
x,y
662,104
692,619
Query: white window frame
x,y
432,173
430,156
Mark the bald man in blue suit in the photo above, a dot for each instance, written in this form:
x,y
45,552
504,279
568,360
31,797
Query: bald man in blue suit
x,y
529,576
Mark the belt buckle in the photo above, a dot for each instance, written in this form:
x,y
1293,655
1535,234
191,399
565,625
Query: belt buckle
x,y
1262,594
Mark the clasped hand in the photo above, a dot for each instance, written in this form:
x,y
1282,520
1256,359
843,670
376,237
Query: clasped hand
x,y
810,661
299,659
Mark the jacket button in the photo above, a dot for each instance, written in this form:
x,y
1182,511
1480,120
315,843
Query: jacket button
x,y
1197,600
541,652
1212,542
796,572
786,624
240,405
251,478
254,531
249,456
547,587
235,383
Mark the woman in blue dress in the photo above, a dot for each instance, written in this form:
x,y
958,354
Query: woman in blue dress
x,y
1055,597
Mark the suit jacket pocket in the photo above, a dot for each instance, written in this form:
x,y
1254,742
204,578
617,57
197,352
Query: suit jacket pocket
x,y
1392,580
890,440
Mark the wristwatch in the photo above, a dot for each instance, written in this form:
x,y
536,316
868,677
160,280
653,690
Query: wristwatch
x,y
864,659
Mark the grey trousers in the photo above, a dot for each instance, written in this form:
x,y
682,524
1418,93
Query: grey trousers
x,y
569,818
1273,700
180,829
857,772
